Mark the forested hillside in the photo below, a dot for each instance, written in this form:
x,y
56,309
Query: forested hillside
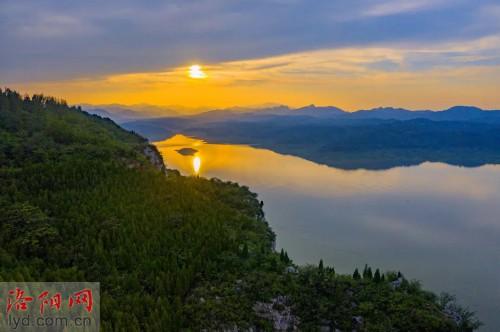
x,y
83,200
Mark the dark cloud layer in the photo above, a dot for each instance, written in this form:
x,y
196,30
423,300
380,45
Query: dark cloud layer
x,y
50,39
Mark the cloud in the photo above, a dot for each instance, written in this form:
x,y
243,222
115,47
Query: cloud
x,y
53,26
394,7
417,76
54,39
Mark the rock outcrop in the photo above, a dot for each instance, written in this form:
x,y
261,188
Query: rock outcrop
x,y
154,156
279,312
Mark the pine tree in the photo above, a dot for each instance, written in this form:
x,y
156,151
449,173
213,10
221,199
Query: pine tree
x,y
376,277
369,273
356,275
320,265
365,271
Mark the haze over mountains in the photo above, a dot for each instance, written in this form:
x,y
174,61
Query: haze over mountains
x,y
128,113
455,113
123,113
157,128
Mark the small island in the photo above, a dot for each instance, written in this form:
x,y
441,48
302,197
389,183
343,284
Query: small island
x,y
187,151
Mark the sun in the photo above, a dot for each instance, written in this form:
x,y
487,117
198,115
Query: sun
x,y
196,72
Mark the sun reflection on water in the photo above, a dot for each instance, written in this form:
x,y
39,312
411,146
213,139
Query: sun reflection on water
x,y
196,164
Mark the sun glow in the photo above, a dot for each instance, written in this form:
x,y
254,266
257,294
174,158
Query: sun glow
x,y
351,78
196,72
196,165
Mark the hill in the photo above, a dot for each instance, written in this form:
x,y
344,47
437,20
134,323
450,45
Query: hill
x,y
368,144
124,113
377,139
82,199
310,114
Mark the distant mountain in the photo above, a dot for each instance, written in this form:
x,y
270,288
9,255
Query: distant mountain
x,y
365,143
319,112
312,112
268,113
456,113
157,128
390,113
124,113
275,112
241,113
467,113
103,113
378,138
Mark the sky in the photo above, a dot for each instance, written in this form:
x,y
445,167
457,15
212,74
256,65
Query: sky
x,y
418,54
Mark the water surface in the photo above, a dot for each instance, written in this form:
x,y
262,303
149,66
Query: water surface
x,y
436,223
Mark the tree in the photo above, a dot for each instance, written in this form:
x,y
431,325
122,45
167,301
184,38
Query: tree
x,y
356,275
370,274
376,276
367,272
320,267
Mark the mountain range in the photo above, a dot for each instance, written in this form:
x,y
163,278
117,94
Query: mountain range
x,y
130,113
371,139
455,113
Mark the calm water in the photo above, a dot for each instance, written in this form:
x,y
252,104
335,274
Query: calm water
x,y
436,223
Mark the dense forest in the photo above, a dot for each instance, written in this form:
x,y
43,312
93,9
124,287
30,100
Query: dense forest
x,y
83,200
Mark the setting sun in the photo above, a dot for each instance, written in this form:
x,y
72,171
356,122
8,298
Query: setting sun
x,y
195,71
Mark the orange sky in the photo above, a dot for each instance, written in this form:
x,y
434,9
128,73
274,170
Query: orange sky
x,y
416,54
351,78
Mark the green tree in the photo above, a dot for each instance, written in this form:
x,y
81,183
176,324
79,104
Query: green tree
x,y
367,272
376,276
356,275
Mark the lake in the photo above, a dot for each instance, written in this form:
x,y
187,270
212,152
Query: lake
x,y
436,223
